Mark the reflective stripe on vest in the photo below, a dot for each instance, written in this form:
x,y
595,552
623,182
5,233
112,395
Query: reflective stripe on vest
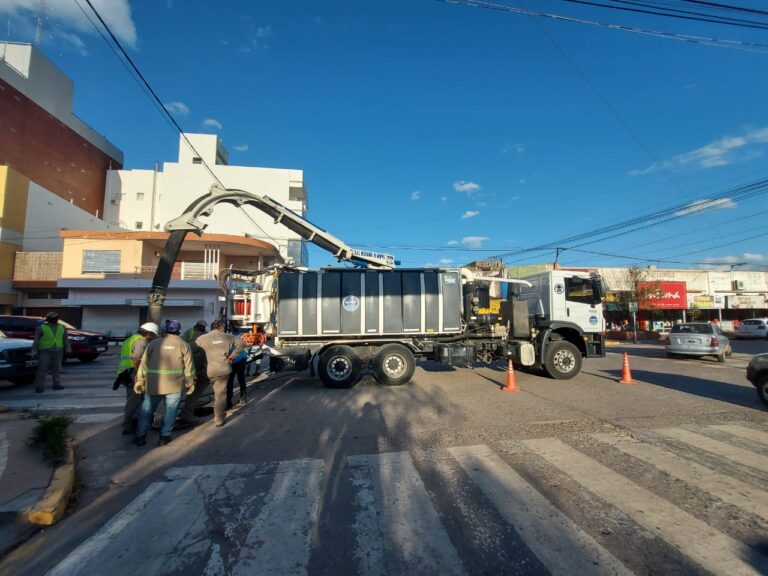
x,y
50,340
126,361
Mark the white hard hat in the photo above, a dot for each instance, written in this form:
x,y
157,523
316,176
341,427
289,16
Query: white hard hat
x,y
150,327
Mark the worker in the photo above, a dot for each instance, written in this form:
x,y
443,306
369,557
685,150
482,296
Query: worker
x,y
51,344
195,332
130,358
166,368
220,349
187,418
238,371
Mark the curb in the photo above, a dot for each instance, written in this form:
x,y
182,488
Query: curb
x,y
52,505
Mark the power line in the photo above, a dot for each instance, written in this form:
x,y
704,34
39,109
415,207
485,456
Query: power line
x,y
158,103
704,40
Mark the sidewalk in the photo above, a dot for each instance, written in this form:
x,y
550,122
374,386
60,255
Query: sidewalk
x,y
24,477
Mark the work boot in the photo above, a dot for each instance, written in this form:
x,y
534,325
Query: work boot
x,y
219,423
164,440
242,401
140,440
185,424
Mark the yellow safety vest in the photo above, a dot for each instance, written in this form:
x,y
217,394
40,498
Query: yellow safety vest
x,y
126,361
50,340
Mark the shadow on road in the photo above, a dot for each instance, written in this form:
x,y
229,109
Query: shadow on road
x,y
716,390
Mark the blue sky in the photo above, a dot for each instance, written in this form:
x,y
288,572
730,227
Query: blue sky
x,y
444,133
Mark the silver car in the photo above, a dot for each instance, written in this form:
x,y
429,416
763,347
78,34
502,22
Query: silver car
x,y
752,328
697,339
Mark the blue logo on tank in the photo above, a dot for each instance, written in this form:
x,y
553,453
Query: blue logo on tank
x,y
351,303
593,320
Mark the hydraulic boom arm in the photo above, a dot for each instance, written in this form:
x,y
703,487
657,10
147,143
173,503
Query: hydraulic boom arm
x,y
203,206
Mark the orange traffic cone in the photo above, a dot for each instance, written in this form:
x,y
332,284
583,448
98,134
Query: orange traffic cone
x,y
511,384
626,373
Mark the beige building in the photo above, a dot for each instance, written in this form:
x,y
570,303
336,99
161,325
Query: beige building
x,y
100,280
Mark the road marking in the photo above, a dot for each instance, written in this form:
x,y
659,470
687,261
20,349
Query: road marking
x,y
555,539
409,528
722,449
710,548
3,452
279,539
743,432
725,487
73,564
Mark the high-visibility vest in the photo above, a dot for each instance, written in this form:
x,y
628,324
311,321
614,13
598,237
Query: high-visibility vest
x,y
50,340
126,361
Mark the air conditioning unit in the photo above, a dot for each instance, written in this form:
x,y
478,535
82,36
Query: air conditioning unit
x,y
737,284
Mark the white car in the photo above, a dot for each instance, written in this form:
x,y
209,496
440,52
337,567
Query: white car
x,y
752,328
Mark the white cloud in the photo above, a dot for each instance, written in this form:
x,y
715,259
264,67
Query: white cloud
x,y
469,214
721,152
212,123
705,205
177,108
446,261
415,195
474,241
745,261
522,180
258,43
468,188
453,243
517,148
443,198
240,147
63,17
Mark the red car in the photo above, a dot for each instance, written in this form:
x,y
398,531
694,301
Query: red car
x,y
86,346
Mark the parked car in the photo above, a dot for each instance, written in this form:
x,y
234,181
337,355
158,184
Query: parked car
x,y
85,345
757,373
697,339
752,328
17,363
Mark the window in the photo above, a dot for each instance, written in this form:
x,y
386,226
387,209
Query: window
x,y
139,225
579,290
139,196
101,261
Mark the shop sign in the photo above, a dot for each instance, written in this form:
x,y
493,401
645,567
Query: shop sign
x,y
663,295
706,301
747,301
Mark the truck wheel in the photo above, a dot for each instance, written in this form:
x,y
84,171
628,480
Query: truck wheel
x,y
339,367
393,365
563,360
762,389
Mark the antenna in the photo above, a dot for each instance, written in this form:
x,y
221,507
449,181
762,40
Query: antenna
x,y
39,27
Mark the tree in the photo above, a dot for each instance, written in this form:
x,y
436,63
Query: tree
x,y
638,288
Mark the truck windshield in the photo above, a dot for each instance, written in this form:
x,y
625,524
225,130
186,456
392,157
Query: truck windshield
x,y
579,290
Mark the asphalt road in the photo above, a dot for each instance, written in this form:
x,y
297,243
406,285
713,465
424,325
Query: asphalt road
x,y
444,475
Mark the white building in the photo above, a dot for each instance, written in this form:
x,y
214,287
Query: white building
x,y
148,199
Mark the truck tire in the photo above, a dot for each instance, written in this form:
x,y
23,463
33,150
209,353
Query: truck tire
x,y
393,365
563,360
762,389
339,367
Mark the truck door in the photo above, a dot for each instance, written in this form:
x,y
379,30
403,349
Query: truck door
x,y
579,303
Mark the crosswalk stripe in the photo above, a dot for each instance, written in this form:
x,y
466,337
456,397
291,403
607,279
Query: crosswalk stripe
x,y
73,564
725,487
279,539
743,432
710,548
407,520
722,449
555,539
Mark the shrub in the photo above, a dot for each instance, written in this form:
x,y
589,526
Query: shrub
x,y
51,433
